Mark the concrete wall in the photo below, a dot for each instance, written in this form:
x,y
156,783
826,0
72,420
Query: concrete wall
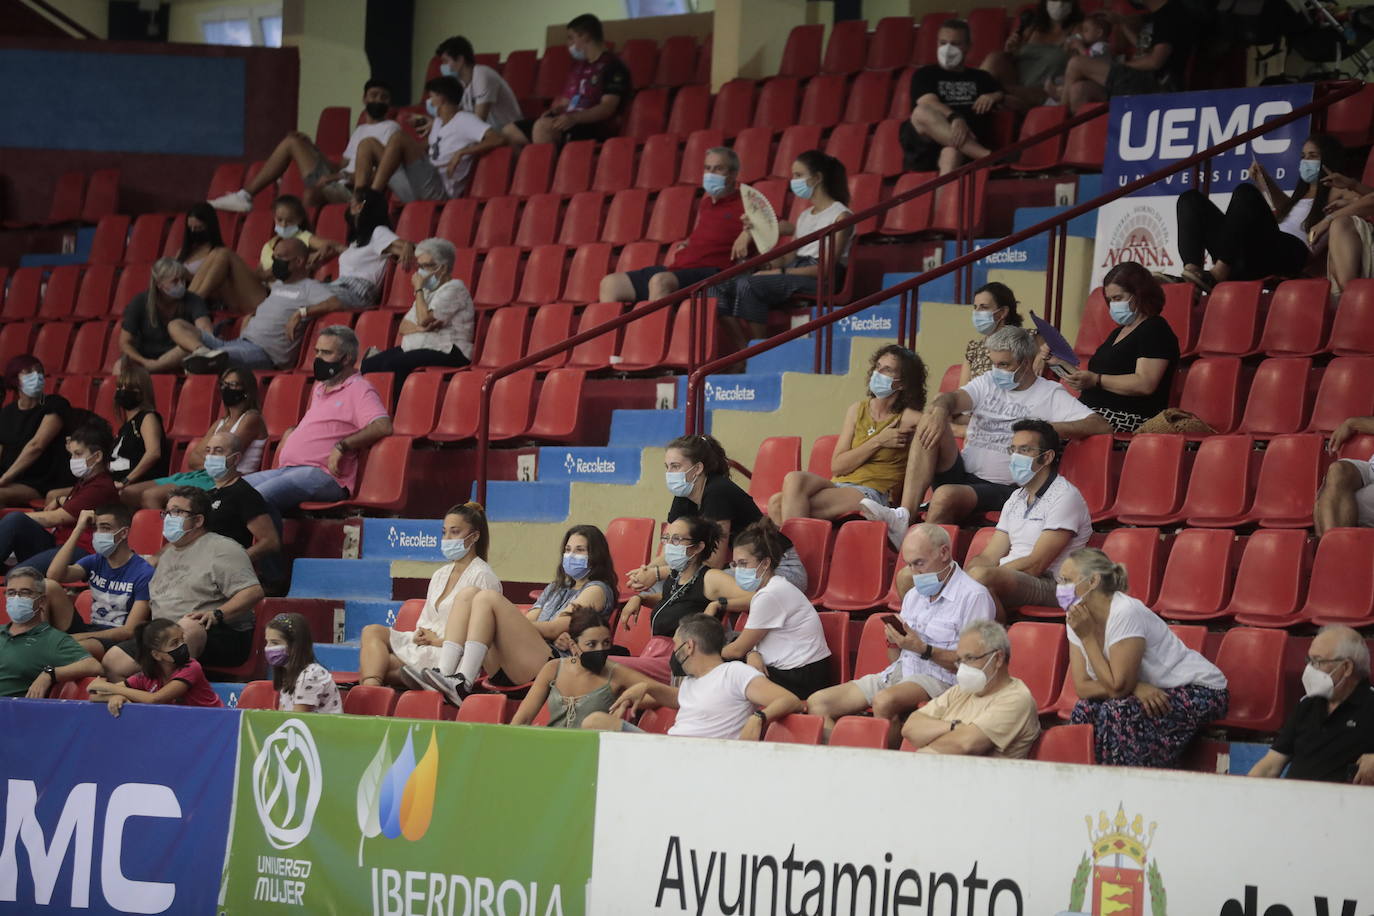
x,y
93,14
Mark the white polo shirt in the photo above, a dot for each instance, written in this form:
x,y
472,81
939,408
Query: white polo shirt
x,y
995,410
1060,507
940,620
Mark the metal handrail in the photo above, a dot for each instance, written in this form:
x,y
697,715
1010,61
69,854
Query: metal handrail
x,y
696,407
698,328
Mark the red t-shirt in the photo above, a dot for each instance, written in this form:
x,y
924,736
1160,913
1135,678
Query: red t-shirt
x,y
200,694
718,225
88,493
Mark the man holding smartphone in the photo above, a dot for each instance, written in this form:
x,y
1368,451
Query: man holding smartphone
x,y
939,601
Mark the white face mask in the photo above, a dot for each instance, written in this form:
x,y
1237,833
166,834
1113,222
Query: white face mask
x,y
950,56
1317,683
971,679
1059,10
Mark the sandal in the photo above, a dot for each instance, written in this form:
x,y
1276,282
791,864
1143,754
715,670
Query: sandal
x,y
1202,279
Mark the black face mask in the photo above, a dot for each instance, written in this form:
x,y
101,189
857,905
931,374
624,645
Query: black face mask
x,y
325,370
181,655
128,398
232,397
377,110
594,660
675,666
281,268
197,236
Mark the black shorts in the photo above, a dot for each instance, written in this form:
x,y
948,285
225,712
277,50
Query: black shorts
x,y
1124,80
576,132
803,681
991,496
84,630
639,279
226,647
922,154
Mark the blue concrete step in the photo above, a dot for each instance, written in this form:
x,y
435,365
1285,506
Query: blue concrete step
x,y
338,657
647,428
1084,226
747,391
1032,254
402,539
526,501
336,579
358,614
597,464
227,692
1089,186
796,356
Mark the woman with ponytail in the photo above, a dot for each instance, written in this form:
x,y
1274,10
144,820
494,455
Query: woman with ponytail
x,y
391,656
744,302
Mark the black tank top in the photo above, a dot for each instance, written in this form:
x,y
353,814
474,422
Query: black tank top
x,y
678,602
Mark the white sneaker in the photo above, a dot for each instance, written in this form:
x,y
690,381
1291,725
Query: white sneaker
x,y
414,680
239,201
204,361
897,520
454,687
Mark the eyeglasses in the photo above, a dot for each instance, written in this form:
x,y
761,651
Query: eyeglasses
x,y
177,513
970,659
21,593
1027,450
1317,661
677,540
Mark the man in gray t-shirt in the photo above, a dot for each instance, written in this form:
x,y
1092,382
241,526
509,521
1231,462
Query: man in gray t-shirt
x,y
271,338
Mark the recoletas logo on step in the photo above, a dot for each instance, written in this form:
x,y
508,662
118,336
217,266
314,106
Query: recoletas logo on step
x,y
735,392
397,538
574,465
853,325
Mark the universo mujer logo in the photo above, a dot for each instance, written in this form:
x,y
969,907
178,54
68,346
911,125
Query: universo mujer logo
x,y
287,781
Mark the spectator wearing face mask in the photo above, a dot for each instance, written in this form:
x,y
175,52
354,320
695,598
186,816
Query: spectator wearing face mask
x,y
32,457
362,265
1162,34
485,93
167,675
119,581
141,451
36,657
143,336
1127,380
437,331
34,537
290,220
949,124
597,90
302,683
1035,52
238,512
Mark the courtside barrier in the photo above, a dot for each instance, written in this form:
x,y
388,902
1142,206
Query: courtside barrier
x,y
397,817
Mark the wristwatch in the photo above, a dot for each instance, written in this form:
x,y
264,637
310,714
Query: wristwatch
x,y
304,312
51,672
763,722
219,616
927,652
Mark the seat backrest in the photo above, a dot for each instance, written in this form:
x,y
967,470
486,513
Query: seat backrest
x,y
258,695
694,154
859,731
1252,660
597,352
369,700
734,107
1065,744
1271,580
408,615
672,214
823,102
1222,480
797,728
423,704
1141,551
1342,584
691,110
1197,576
1152,477
496,224
872,653
1352,333
1231,319
484,707
835,625
822,451
1213,390
858,570
812,538
543,275
496,283
801,56
559,410
777,457
1089,466
625,218
777,106
1279,397
1347,390
418,404
1039,655
1298,318
847,49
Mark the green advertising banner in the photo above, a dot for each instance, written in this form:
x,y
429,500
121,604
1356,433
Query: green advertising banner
x,y
394,817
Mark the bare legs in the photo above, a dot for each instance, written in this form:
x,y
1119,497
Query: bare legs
x,y
401,149
376,662
17,494
1335,506
807,495
296,147
1085,82
618,288
513,644
936,125
922,464
224,277
1344,252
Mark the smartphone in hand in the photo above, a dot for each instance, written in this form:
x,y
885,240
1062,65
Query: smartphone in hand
x,y
896,623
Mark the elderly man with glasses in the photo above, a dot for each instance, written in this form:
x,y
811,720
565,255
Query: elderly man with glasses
x,y
34,656
1330,735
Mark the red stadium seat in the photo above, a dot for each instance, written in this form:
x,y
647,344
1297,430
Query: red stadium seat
x,y
859,568
823,101
1213,390
15,340
132,281
510,406
1352,333
928,38
776,190
504,339
694,155
947,216
847,143
1089,466
369,700
795,140
110,235
590,262
496,283
776,458
1347,390
258,695
891,45
632,545
553,70
847,50
1252,660
59,296
822,452
989,25
869,98
900,108
636,255
914,215
21,302
491,174
145,239
1181,313
677,61
408,617
258,227
582,221
1231,320
1292,470
1096,325
1350,119
596,354
801,56
1039,657
754,147
543,279
416,222
1086,146
332,130
533,170
1222,481
88,348
376,329
226,179
519,71
1142,552
93,299
488,708
1341,590
417,405
539,221
658,163
65,206
645,342
865,191
691,110
424,704
552,324
835,625
1151,489
496,225
195,407
672,214
1065,744
797,728
1045,154
734,107
885,153
50,346
559,411
1298,319
812,538
385,471
457,221
1197,578
573,173
648,112
777,105
1279,397
625,218
872,655
282,404
859,731
615,165
679,339
658,721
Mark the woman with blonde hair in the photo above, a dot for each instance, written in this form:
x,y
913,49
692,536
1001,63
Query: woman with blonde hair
x,y
143,337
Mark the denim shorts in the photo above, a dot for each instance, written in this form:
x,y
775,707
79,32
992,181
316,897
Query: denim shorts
x,y
868,492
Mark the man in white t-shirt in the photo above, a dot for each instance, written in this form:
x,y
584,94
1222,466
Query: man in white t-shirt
x,y
326,181
716,699
1042,522
438,167
943,601
485,93
978,479
1346,498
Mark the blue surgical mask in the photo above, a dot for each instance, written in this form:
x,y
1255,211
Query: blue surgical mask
x,y
79,467
104,543
431,108
287,232
677,481
1003,378
879,385
173,527
216,466
1309,170
1121,311
21,610
31,384
747,579
802,189
1022,468
447,70
928,584
712,183
576,52
575,565
430,277
984,322
456,548
676,556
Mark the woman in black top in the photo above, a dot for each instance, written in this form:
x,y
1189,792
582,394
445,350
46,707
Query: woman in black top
x,y
33,453
140,450
691,587
1127,380
143,337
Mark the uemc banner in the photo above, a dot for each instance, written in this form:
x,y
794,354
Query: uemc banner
x,y
1146,133
341,814
849,832
105,815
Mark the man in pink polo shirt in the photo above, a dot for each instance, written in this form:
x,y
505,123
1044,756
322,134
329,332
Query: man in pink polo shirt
x,y
318,461
706,251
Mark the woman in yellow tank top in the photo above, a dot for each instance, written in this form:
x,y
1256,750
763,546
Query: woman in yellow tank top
x,y
870,454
